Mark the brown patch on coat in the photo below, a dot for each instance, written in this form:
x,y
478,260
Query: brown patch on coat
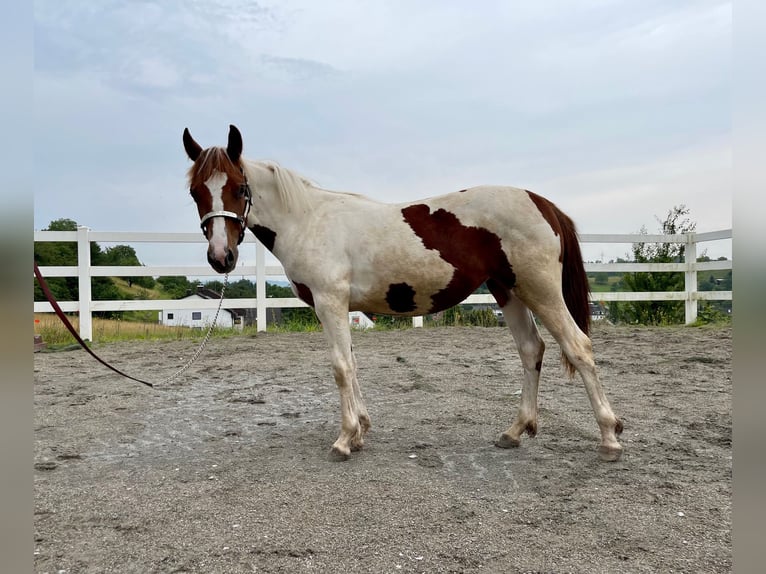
x,y
400,297
475,253
499,292
265,236
550,213
574,281
304,293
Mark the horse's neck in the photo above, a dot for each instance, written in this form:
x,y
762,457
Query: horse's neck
x,y
281,199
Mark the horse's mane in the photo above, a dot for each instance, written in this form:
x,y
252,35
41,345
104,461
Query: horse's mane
x,y
293,189
292,186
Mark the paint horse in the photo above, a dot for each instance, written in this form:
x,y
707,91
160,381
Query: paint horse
x,y
344,252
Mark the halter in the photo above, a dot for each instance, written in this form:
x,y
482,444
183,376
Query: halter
x,y
241,219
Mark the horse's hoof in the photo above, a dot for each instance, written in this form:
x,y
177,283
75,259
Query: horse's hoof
x,y
337,455
609,453
507,441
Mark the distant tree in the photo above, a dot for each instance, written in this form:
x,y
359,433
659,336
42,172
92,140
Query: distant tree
x,y
217,286
63,224
64,253
274,290
120,255
58,253
656,312
241,289
125,255
176,287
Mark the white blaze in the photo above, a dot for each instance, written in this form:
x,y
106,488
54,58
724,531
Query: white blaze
x,y
218,241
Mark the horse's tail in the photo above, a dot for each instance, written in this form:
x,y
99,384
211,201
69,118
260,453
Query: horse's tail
x,y
574,281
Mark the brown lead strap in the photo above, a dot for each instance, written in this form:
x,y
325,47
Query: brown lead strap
x,y
68,325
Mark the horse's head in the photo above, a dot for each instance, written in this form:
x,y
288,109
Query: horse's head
x,y
218,184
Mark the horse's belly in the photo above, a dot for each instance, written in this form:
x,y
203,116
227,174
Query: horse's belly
x,y
410,294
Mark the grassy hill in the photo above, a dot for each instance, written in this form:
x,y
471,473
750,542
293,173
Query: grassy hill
x,y
138,292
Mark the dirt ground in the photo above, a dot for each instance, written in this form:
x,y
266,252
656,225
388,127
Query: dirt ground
x,y
227,469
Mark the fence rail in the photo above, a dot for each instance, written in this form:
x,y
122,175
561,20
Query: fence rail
x,y
84,271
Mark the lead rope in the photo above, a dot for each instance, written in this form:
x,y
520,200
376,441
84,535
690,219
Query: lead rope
x,y
61,315
196,355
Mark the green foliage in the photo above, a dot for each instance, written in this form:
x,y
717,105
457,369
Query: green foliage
x,y
300,319
245,289
176,287
125,255
278,291
461,315
385,322
64,253
716,281
62,225
656,312
711,312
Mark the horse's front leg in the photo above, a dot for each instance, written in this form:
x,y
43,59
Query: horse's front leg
x,y
355,421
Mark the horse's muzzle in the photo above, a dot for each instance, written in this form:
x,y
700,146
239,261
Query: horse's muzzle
x,y
223,264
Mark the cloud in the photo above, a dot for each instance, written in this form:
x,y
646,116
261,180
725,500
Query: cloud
x,y
597,103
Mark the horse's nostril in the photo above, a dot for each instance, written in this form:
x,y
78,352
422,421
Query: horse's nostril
x,y
229,257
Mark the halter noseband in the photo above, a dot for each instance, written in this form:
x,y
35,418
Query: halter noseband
x,y
241,219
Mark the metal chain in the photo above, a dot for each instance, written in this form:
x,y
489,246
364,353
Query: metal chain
x,y
206,338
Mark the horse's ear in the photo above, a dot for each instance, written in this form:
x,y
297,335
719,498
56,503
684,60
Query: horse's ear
x,y
193,149
234,148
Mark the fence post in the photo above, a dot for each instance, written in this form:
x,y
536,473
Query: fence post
x,y
690,278
260,286
83,282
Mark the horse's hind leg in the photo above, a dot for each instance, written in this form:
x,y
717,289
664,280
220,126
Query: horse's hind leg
x,y
361,408
531,348
578,350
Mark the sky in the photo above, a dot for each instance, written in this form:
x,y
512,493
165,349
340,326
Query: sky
x,y
615,110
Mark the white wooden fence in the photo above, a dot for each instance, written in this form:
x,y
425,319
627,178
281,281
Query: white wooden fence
x,y
85,306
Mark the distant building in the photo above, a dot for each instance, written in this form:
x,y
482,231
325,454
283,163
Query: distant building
x,y
234,318
597,311
359,320
202,318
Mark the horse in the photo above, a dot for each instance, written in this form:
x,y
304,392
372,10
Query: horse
x,y
346,252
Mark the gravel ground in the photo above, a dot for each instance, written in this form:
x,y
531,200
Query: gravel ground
x,y
227,469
